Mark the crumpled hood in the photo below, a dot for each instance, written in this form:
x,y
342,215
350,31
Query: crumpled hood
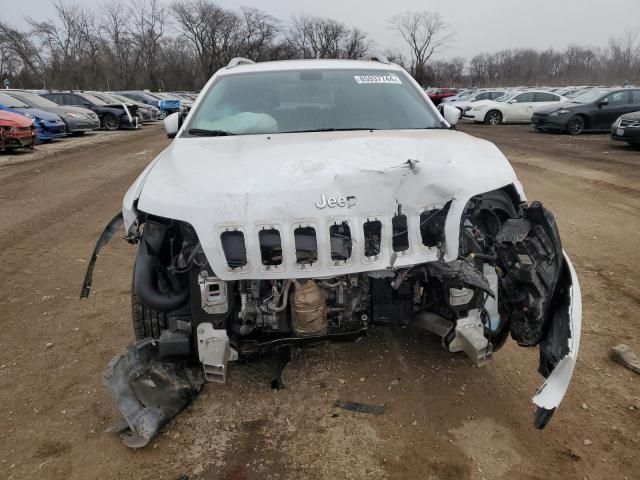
x,y
261,177
9,119
285,181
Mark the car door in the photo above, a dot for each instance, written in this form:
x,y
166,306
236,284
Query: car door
x,y
609,108
519,108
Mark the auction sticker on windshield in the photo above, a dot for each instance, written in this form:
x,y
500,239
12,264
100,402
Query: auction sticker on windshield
x,y
362,79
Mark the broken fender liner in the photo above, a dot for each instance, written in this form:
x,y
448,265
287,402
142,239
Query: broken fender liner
x,y
560,345
106,235
148,392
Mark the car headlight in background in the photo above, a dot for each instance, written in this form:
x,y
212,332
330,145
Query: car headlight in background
x,y
74,115
562,111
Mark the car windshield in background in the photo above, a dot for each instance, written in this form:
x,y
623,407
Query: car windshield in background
x,y
37,100
311,100
590,96
93,99
11,102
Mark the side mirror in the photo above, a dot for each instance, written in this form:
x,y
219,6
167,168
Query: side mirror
x,y
603,103
172,124
86,104
513,101
451,114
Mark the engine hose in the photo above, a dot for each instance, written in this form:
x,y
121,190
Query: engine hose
x,y
145,283
285,298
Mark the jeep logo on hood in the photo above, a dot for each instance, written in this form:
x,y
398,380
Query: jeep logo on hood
x,y
332,202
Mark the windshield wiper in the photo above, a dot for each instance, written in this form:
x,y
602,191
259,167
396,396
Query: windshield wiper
x,y
329,130
203,132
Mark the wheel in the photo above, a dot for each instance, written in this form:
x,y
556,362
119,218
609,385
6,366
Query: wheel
x,y
575,126
493,117
110,122
146,321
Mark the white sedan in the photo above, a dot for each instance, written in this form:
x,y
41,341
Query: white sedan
x,y
515,107
464,104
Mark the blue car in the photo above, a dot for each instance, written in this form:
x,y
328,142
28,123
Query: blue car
x,y
48,125
166,106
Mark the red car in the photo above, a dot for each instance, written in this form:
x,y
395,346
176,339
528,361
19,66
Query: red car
x,y
16,131
437,94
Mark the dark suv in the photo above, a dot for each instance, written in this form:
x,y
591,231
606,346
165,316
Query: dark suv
x,y
112,116
594,110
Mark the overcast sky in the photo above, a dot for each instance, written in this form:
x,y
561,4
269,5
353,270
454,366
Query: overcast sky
x,y
478,25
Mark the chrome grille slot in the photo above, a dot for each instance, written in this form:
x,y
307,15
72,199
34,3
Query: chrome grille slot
x,y
270,247
400,228
306,245
340,241
234,248
432,226
372,237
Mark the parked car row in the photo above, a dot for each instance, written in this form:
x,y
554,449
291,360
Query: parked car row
x,y
573,110
28,117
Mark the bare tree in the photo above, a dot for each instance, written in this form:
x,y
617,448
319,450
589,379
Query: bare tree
x,y
425,33
148,22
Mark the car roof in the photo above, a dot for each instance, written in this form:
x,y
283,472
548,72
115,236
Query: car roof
x,y
328,64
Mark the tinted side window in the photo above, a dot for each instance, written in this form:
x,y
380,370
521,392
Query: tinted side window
x,y
53,97
635,96
75,100
546,97
617,98
525,97
494,95
483,96
62,99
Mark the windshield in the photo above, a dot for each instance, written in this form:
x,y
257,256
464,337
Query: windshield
x,y
312,100
122,99
105,97
36,100
93,99
590,96
11,102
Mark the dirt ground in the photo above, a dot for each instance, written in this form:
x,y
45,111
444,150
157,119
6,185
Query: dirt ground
x,y
444,419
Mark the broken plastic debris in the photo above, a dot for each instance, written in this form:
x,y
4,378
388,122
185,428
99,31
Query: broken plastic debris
x,y
360,407
626,357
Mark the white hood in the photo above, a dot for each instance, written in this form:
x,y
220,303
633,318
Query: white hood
x,y
277,181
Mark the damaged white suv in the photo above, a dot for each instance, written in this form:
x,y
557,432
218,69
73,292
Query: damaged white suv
x,y
304,201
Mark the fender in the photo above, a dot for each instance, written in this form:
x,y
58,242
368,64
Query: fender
x,y
103,240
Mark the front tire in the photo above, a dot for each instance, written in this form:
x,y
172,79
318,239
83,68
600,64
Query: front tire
x,y
576,125
493,117
110,122
147,322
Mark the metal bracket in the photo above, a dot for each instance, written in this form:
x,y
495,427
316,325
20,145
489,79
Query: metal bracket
x,y
214,352
213,294
469,338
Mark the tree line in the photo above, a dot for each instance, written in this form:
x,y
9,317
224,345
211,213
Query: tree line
x,y
179,45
